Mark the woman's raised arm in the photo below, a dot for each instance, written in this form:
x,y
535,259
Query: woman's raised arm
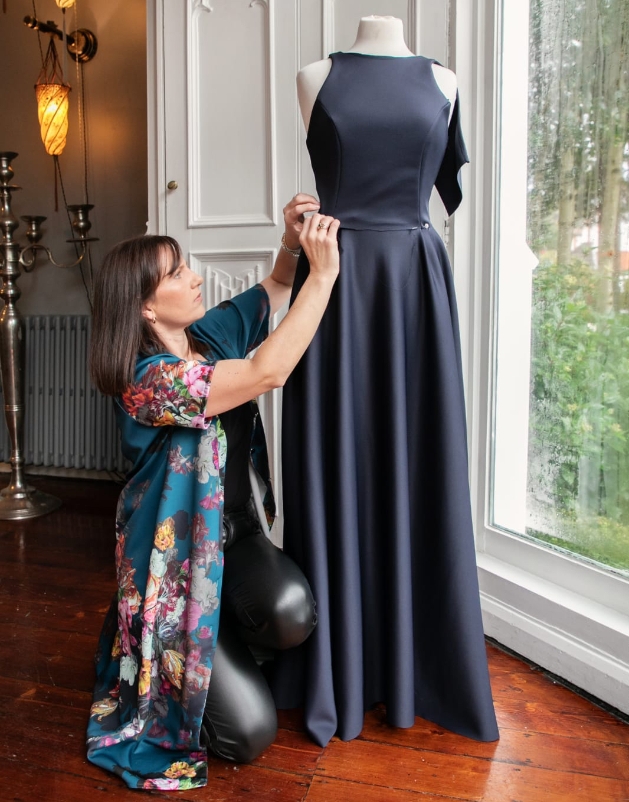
x,y
279,284
238,380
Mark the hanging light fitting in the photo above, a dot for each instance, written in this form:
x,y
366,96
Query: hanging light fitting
x,y
52,103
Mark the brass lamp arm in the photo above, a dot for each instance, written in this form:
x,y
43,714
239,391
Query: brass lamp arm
x,y
29,264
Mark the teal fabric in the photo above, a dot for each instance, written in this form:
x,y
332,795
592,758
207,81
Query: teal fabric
x,y
154,660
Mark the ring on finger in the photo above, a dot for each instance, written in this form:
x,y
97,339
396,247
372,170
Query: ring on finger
x,y
322,225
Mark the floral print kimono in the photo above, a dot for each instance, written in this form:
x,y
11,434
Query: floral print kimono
x,y
154,660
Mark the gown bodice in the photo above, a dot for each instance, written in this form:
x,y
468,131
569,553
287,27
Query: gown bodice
x,y
379,140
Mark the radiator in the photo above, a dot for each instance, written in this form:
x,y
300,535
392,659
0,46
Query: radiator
x,y
67,422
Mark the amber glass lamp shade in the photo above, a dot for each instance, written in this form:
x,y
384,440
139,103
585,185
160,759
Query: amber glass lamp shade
x,y
52,109
65,3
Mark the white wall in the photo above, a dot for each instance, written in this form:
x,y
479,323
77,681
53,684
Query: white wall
x,y
115,95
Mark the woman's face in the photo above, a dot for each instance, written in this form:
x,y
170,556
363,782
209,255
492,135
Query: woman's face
x,y
177,301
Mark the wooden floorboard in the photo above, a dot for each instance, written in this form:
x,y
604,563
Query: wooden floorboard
x,y
56,581
565,752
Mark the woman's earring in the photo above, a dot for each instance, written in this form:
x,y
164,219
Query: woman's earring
x,y
154,319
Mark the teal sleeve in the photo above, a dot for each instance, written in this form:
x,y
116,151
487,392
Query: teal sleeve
x,y
235,327
169,393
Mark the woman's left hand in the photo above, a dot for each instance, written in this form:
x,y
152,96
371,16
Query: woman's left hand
x,y
294,217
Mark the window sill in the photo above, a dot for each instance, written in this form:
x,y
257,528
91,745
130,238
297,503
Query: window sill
x,y
579,639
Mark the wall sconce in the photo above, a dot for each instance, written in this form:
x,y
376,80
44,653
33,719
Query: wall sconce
x,y
52,90
81,44
19,500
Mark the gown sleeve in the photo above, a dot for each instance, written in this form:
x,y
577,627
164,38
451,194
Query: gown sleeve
x,y
448,181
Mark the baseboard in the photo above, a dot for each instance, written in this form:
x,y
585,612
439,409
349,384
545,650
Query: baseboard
x,y
563,650
66,473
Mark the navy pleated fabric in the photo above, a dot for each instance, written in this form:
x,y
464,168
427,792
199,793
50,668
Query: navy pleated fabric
x,y
375,472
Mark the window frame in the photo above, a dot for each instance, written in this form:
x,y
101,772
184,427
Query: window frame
x,y
564,613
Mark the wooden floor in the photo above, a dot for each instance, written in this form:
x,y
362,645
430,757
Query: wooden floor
x,y
56,579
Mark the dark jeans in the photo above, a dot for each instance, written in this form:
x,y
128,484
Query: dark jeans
x,y
266,602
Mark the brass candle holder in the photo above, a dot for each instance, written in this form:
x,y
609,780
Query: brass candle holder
x,y
18,500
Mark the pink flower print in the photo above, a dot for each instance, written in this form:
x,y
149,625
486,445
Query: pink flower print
x,y
213,553
124,612
124,621
106,740
199,529
126,641
199,422
195,380
205,673
134,601
193,658
157,730
194,611
212,501
160,784
185,737
205,632
197,679
206,553
216,454
178,462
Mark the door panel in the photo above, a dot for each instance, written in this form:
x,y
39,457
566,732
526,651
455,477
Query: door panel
x,y
231,119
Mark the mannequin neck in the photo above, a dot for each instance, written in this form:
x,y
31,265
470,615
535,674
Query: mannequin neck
x,y
380,36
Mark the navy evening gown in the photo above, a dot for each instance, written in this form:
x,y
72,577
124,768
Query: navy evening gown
x,y
375,471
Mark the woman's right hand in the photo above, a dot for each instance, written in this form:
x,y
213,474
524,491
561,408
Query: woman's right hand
x,y
235,381
319,239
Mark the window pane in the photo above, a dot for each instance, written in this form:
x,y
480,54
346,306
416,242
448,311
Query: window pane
x,y
561,422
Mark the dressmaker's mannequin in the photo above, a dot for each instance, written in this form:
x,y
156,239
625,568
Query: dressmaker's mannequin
x,y
377,36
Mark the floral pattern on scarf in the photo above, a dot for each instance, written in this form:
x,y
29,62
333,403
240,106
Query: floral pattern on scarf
x,y
154,661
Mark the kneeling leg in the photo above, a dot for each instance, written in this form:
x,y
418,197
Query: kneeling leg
x,y
267,594
240,718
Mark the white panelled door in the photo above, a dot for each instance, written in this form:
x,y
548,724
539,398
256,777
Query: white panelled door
x,y
227,146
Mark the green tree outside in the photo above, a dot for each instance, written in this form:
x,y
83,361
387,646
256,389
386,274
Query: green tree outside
x,y
578,220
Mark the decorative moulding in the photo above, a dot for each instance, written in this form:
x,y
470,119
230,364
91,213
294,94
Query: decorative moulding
x,y
223,279
265,217
201,5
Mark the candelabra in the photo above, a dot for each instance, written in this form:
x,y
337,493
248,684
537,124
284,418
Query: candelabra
x,y
19,500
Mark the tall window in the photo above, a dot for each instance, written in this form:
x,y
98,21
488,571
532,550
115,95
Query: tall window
x,y
561,411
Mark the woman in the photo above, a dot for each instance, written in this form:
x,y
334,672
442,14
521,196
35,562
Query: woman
x,y
168,684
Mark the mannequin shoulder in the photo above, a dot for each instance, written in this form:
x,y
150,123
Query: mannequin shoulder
x,y
310,79
446,81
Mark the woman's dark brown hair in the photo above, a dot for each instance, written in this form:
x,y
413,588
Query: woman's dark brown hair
x,y
129,276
